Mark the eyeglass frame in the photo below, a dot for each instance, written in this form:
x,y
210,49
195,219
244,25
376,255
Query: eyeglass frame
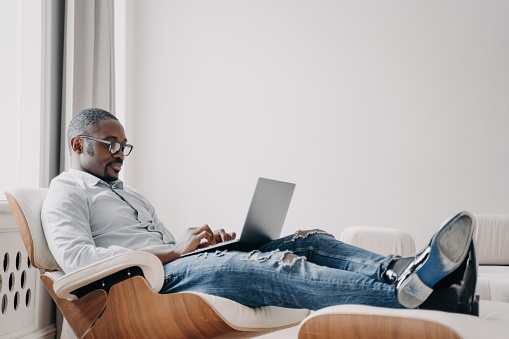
x,y
110,144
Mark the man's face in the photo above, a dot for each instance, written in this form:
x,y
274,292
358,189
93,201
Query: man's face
x,y
95,157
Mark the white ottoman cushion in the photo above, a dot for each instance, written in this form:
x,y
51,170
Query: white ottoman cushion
x,y
493,283
492,323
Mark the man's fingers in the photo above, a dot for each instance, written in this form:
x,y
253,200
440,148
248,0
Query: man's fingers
x,y
223,236
205,233
204,228
207,236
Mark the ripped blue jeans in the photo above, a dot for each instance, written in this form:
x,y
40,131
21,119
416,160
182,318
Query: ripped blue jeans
x,y
310,269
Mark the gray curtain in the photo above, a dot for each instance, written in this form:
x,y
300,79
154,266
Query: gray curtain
x,y
88,62
53,42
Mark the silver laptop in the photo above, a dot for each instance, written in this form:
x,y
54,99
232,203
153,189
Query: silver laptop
x,y
265,217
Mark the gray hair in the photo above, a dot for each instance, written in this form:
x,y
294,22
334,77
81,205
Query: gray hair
x,y
86,121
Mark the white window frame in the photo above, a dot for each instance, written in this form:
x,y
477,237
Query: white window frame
x,y
31,108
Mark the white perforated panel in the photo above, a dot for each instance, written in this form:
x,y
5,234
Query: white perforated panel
x,y
17,285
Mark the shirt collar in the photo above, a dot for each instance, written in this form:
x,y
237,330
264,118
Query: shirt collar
x,y
93,180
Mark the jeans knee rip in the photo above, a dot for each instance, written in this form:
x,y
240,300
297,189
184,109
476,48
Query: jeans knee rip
x,y
255,255
304,234
285,262
217,253
220,253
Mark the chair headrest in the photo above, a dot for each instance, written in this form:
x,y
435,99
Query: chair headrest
x,y
26,205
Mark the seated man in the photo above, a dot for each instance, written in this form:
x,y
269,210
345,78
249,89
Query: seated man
x,y
89,215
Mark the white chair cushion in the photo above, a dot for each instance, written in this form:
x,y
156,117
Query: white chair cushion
x,y
491,239
240,316
30,201
380,240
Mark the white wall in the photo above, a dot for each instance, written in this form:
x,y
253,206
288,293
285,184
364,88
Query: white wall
x,y
391,114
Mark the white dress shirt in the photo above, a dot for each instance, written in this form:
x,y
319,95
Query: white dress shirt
x,y
85,220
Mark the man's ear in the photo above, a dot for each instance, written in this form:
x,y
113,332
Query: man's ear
x,y
76,145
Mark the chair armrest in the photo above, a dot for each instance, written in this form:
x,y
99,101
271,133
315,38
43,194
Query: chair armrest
x,y
150,265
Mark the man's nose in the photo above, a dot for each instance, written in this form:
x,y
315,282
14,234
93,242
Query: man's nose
x,y
119,154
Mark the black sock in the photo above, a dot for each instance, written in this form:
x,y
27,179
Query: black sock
x,y
396,268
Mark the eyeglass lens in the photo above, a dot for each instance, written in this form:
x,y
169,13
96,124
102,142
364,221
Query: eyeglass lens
x,y
115,147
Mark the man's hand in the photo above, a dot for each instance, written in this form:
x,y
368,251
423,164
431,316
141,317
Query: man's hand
x,y
193,238
201,237
219,236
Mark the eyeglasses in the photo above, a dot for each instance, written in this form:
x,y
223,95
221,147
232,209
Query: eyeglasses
x,y
114,147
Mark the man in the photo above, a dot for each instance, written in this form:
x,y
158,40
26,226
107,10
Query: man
x,y
90,215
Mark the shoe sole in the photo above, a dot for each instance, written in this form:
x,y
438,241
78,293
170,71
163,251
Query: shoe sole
x,y
446,252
